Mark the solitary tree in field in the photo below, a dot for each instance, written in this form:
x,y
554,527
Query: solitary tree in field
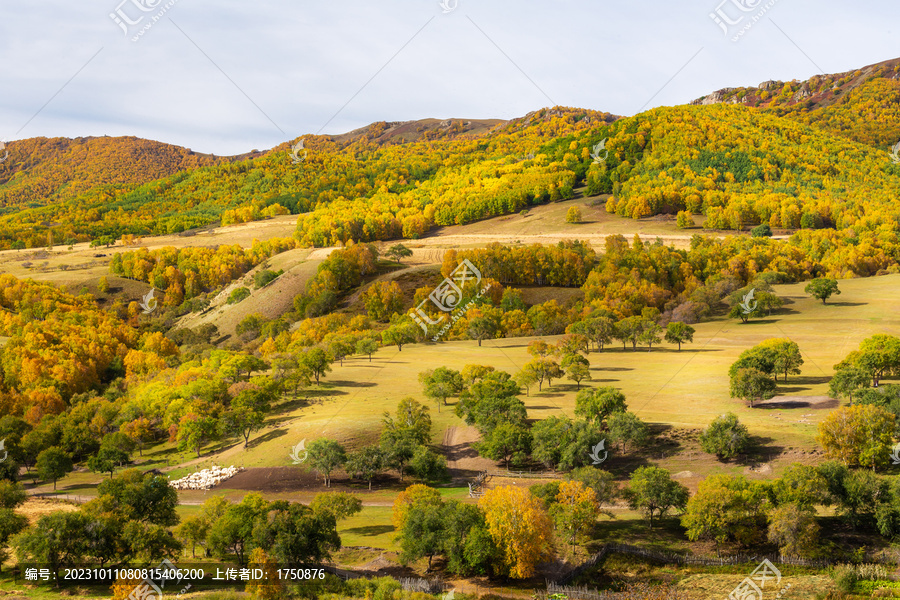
x,y
483,327
398,252
679,333
577,368
725,437
822,288
573,215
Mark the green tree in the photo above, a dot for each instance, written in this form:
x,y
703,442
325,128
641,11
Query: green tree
x,y
232,533
652,491
294,534
325,456
194,431
467,545
367,345
317,361
411,416
822,288
602,482
365,463
630,329
848,380
428,465
684,219
57,540
576,509
751,385
143,497
247,412
422,533
508,442
398,252
626,428
727,507
650,333
53,463
340,505
725,437
106,459
597,404
483,327
577,368
761,230
679,333
399,334
192,530
237,295
441,383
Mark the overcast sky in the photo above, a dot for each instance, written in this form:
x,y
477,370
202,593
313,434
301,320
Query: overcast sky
x,y
228,76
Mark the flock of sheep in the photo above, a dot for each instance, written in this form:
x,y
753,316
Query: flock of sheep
x,y
206,479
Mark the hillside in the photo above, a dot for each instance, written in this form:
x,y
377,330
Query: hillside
x,y
862,105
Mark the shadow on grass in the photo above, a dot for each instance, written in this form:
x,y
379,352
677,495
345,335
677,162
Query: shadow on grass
x,y
846,303
370,530
267,437
343,383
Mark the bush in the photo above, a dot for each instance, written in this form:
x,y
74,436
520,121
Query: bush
x,y
238,295
573,215
265,277
762,230
726,437
684,219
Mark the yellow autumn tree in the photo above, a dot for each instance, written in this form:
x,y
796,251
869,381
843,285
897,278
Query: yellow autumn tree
x,y
415,495
270,586
520,527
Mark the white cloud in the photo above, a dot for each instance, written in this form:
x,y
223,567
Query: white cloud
x,y
300,63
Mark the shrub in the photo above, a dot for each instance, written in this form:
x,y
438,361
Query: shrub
x,y
238,295
573,215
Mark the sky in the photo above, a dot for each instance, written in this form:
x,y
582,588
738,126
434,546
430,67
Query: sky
x,y
229,76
